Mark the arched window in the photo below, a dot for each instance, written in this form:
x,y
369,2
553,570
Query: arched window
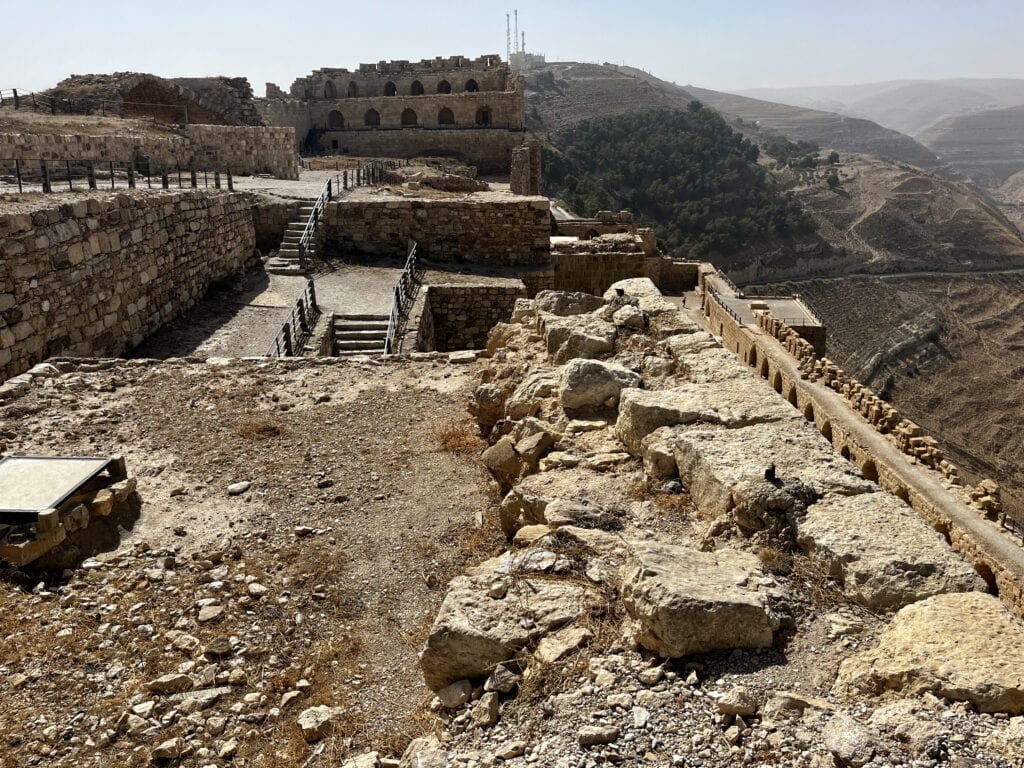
x,y
353,90
335,120
409,117
416,89
445,117
372,117
483,116
390,89
329,92
444,87
472,86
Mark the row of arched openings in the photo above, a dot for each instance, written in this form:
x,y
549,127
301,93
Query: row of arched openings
x,y
336,121
390,89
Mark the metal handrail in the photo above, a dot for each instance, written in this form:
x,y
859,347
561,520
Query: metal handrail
x,y
404,296
296,331
367,174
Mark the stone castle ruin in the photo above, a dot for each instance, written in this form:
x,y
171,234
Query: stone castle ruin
x,y
471,109
378,432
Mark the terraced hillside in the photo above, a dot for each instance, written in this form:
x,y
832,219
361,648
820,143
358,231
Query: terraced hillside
x,y
909,106
564,94
948,350
988,146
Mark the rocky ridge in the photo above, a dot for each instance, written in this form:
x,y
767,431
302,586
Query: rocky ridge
x,y
668,596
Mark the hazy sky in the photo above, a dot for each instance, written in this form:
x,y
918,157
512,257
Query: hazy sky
x,y
726,45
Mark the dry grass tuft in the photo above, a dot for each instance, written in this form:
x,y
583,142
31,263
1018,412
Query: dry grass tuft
x,y
259,429
458,437
676,505
775,560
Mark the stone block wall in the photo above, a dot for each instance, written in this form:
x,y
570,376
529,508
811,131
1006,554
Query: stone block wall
x,y
525,177
486,230
96,276
594,272
489,149
271,217
239,149
460,316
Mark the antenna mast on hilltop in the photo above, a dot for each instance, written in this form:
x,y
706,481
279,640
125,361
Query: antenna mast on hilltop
x,y
523,49
508,37
516,12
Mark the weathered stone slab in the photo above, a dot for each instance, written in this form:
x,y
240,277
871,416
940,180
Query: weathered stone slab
x,y
715,463
733,404
577,336
486,618
686,601
591,383
884,554
962,647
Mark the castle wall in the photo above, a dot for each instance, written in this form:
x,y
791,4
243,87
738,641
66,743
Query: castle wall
x,y
460,316
94,277
503,231
240,149
489,73
927,491
490,150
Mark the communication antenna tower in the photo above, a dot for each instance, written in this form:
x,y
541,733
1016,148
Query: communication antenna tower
x,y
508,37
516,12
523,49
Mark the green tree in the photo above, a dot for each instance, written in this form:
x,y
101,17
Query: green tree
x,y
833,158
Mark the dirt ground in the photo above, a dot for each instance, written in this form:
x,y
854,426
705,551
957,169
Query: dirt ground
x,y
351,527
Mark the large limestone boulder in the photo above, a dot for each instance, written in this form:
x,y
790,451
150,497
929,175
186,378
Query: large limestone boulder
x,y
884,554
686,601
577,336
488,616
634,287
641,412
565,303
525,400
591,383
717,464
733,404
564,497
963,647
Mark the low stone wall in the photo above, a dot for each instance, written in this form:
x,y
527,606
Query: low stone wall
x,y
240,149
594,272
488,230
271,217
460,316
836,406
96,276
489,149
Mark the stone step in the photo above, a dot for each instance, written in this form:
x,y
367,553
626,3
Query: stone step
x,y
384,318
356,346
348,334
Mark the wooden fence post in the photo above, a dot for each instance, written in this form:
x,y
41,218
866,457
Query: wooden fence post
x,y
45,172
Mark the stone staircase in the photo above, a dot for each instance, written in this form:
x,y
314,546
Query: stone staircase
x,y
287,262
360,334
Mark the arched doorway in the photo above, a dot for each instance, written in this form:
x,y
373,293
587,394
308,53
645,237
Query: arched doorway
x,y
792,396
372,117
409,117
353,90
753,357
764,368
444,87
416,89
845,452
446,117
826,431
483,116
870,471
335,120
777,382
472,86
329,91
809,411
390,89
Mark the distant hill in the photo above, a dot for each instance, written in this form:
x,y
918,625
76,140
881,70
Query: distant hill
x,y
566,93
909,106
988,147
